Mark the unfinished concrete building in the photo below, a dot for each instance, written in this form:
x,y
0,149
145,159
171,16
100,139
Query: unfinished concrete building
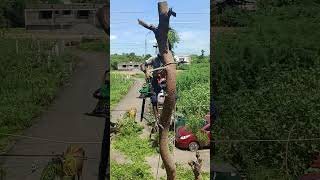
x,y
61,16
129,66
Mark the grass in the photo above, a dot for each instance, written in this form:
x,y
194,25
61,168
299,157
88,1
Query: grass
x,y
120,85
95,46
135,148
187,174
268,79
139,75
197,74
29,82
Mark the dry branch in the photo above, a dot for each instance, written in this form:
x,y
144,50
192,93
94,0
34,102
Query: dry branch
x,y
196,167
150,27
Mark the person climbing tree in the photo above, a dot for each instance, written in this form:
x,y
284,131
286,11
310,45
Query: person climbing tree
x,y
155,88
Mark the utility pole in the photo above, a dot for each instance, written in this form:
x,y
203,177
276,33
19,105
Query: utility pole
x,y
145,43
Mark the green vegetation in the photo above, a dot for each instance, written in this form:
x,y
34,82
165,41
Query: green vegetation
x,y
195,99
29,82
136,149
120,85
268,83
119,58
187,174
96,45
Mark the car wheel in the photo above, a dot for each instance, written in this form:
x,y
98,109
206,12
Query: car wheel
x,y
193,146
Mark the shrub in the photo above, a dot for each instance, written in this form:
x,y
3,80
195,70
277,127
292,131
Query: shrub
x,y
268,76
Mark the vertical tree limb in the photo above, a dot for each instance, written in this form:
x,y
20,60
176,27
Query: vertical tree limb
x,y
196,167
103,15
161,34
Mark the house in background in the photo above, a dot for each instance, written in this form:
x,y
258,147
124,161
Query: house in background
x,y
77,17
221,5
183,59
129,66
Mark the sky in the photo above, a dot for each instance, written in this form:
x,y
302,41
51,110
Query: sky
x,y
192,24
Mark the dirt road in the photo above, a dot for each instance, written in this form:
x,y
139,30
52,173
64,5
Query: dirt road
x,y
64,121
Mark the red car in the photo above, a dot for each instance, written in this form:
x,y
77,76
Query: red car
x,y
186,140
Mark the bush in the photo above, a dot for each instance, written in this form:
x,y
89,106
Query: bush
x,y
233,17
120,85
94,45
268,76
29,81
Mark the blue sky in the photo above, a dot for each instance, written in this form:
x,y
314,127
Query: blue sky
x,y
192,24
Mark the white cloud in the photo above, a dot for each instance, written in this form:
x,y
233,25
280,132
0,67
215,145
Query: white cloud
x,y
187,35
193,42
153,41
113,37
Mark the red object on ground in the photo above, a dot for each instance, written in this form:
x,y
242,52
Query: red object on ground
x,y
311,176
315,163
187,140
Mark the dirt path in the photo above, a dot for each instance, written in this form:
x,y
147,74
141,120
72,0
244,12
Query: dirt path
x,y
64,121
127,102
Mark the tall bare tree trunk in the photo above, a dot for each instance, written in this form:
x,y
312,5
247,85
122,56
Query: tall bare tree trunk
x,y
161,34
103,15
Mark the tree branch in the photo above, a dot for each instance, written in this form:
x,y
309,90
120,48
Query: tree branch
x,y
172,13
150,27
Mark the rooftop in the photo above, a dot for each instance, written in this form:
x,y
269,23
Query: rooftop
x,y
65,6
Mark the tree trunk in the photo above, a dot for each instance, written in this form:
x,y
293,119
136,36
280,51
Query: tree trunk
x,y
161,34
103,15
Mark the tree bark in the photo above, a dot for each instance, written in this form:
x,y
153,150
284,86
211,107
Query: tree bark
x,y
161,34
103,15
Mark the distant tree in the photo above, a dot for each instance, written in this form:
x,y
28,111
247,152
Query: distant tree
x,y
173,39
148,56
202,54
132,54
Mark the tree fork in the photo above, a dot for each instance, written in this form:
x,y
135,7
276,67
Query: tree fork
x,y
161,34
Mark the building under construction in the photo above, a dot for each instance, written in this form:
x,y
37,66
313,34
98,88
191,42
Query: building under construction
x,y
61,16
